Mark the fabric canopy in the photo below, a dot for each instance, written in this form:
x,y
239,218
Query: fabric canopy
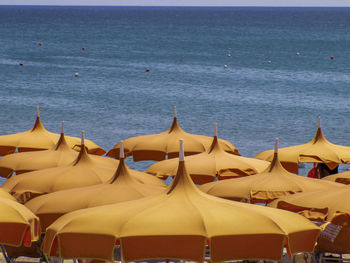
x,y
159,146
264,187
178,223
319,150
207,166
38,138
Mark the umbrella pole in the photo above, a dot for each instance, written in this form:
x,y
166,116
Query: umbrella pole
x,y
4,252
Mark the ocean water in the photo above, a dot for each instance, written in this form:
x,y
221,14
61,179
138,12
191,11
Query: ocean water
x,y
279,75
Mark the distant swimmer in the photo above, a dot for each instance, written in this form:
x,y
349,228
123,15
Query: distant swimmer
x,y
181,59
225,66
40,44
298,54
331,57
83,48
229,55
76,74
269,61
21,64
147,70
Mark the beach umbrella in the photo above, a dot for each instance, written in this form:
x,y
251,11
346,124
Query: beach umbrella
x,y
214,162
121,187
343,178
84,171
6,195
159,146
18,225
179,223
266,186
319,150
321,205
38,138
61,154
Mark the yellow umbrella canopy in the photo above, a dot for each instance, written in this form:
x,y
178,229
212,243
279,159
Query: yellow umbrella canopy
x,y
321,205
319,150
264,187
214,162
178,223
86,170
6,195
18,225
38,138
120,188
343,178
61,154
157,146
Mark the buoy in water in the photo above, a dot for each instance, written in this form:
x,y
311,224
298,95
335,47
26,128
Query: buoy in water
x,y
147,70
269,61
225,66
298,54
21,64
40,44
83,48
76,74
331,57
229,55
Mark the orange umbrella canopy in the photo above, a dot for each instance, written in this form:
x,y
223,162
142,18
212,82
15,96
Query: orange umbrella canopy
x,y
267,186
321,205
38,138
178,223
86,170
319,150
157,146
60,155
214,162
120,188
18,225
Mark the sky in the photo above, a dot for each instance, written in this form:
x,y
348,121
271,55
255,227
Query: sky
x,y
326,3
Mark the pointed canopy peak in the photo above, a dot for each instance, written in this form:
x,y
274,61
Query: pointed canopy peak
x,y
83,155
121,172
319,136
182,180
38,125
174,125
62,143
275,161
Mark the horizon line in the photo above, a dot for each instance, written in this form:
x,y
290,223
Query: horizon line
x,y
108,5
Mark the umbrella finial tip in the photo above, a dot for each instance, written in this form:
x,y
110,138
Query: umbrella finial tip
x,y
216,129
62,130
175,115
37,111
181,151
82,137
276,145
319,121
121,153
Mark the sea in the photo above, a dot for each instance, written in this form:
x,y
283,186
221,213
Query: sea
x,y
260,73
